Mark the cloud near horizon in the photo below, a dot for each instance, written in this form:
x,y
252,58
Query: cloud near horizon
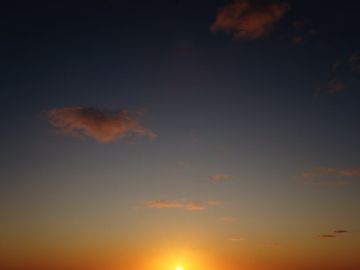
x,y
185,205
247,19
102,125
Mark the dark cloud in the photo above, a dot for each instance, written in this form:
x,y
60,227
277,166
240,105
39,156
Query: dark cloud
x,y
327,236
102,125
247,19
341,231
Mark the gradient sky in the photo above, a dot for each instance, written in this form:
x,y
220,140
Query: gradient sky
x,y
213,134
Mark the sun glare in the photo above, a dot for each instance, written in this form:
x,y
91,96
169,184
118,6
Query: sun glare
x,y
179,268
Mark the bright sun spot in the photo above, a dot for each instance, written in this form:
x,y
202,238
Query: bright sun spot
x,y
179,267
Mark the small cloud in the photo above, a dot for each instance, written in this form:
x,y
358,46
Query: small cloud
x,y
341,231
327,236
335,86
248,20
185,205
220,177
102,125
354,61
229,219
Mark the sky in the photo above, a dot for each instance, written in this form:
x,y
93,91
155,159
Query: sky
x,y
151,135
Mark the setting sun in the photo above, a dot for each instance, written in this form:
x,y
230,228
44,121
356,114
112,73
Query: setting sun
x,y
179,268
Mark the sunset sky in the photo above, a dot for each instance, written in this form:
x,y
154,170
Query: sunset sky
x,y
180,135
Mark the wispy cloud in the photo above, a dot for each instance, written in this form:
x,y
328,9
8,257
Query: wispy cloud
x,y
247,19
102,125
185,205
220,177
330,175
326,236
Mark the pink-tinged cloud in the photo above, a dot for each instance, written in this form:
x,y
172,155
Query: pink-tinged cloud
x,y
220,177
248,20
102,125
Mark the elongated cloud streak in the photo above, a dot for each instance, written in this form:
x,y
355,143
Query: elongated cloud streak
x,y
102,125
248,20
185,205
326,171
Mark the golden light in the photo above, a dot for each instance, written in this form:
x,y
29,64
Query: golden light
x,y
179,268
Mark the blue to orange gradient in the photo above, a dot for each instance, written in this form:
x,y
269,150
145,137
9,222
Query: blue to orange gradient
x,y
180,135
